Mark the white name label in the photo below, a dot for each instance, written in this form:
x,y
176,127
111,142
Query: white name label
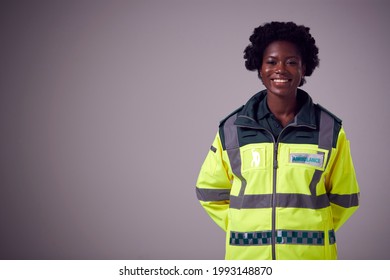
x,y
316,160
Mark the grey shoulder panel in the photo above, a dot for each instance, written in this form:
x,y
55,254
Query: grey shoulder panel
x,y
337,123
227,125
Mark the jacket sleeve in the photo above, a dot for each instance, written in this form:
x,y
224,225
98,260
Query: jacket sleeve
x,y
214,184
343,188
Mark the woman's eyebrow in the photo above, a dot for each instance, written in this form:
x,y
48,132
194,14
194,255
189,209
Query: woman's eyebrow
x,y
291,56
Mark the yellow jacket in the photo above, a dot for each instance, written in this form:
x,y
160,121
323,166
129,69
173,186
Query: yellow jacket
x,y
279,198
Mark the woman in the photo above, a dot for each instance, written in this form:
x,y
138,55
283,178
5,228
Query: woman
x,y
279,177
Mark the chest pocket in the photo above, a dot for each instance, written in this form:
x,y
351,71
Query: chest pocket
x,y
305,158
253,158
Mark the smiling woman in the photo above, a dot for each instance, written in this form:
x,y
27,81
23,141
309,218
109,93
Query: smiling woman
x,y
279,177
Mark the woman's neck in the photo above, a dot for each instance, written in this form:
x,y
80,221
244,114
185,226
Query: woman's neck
x,y
284,109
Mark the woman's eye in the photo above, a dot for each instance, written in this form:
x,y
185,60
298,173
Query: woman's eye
x,y
271,62
292,62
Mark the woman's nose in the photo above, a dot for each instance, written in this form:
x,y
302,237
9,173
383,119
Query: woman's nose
x,y
280,68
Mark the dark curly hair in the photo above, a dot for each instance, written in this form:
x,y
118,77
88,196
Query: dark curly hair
x,y
281,31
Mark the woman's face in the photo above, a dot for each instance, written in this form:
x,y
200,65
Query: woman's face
x,y
282,68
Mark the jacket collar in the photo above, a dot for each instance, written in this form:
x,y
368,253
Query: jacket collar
x,y
256,108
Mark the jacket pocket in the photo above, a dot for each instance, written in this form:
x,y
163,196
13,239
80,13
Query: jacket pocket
x,y
300,168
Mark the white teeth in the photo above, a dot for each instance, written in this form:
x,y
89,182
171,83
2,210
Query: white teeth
x,y
280,81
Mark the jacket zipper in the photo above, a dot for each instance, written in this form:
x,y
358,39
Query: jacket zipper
x,y
273,232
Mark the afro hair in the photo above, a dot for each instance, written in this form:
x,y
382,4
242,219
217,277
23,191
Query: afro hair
x,y
281,31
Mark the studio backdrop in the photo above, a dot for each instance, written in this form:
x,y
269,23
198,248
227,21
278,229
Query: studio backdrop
x,y
108,109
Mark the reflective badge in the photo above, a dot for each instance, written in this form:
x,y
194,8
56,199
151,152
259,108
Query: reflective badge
x,y
255,158
316,160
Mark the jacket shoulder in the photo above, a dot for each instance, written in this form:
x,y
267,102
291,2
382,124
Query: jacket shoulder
x,y
222,126
222,122
337,119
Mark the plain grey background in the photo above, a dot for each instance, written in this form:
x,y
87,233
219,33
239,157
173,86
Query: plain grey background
x,y
108,109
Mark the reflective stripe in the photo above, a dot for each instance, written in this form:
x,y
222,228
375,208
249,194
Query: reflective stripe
x,y
302,201
314,181
212,194
250,238
291,200
233,151
230,131
325,141
345,200
325,138
251,201
300,237
332,237
297,237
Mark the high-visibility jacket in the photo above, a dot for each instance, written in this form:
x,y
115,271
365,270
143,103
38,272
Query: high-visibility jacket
x,y
279,198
